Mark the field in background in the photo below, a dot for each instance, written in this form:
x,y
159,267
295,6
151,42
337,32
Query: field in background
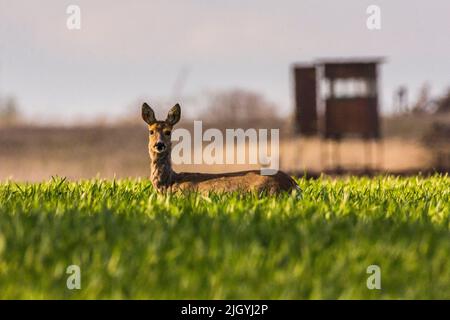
x,y
132,243
35,154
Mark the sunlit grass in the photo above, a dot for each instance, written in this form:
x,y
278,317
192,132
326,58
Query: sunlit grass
x,y
132,243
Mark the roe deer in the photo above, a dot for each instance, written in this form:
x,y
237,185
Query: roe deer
x,y
164,179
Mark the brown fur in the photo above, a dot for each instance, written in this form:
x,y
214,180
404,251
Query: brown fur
x,y
165,179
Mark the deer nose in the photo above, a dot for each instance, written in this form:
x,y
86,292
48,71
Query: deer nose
x,y
160,146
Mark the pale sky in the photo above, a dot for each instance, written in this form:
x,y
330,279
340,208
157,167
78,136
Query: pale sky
x,y
130,50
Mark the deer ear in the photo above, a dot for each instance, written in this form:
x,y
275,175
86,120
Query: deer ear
x,y
148,114
174,115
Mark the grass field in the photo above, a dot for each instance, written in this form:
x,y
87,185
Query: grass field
x,y
132,243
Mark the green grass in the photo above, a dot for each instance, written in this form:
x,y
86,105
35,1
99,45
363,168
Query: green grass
x,y
132,243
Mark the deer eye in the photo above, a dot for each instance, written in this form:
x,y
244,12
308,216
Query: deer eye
x,y
167,133
151,132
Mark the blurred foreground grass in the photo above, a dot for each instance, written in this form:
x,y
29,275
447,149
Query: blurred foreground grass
x,y
132,243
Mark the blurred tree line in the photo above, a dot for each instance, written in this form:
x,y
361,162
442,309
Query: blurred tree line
x,y
9,111
239,107
444,103
424,104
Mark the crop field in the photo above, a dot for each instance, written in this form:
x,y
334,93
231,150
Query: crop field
x,y
132,243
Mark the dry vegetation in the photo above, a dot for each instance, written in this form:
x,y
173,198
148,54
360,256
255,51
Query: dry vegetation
x,y
414,141
33,154
36,153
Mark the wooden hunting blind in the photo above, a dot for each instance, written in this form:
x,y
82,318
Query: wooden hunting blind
x,y
337,99
348,92
305,100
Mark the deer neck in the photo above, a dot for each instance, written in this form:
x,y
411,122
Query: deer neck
x,y
161,173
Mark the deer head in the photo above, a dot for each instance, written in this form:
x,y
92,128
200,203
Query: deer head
x,y
160,132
